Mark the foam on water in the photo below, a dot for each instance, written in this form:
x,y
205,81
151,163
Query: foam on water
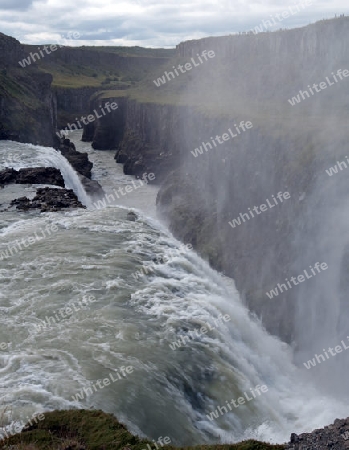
x,y
28,155
149,292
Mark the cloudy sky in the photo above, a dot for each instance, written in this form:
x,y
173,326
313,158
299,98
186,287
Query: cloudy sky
x,y
150,23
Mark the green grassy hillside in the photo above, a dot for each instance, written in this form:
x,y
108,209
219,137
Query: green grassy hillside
x,y
95,430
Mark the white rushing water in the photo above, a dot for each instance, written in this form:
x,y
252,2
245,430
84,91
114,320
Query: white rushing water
x,y
28,155
148,292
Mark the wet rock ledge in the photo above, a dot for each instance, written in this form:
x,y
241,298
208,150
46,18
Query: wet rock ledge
x,y
32,175
79,161
49,200
82,165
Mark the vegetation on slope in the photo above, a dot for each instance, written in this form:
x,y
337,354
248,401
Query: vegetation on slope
x,y
98,66
95,430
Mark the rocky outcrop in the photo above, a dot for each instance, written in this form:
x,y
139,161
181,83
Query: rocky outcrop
x,y
10,51
32,175
92,188
82,165
106,131
79,161
335,437
49,200
130,130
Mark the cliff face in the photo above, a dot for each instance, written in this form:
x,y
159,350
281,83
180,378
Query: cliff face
x,y
10,51
27,104
106,131
72,103
80,72
141,146
288,148
306,44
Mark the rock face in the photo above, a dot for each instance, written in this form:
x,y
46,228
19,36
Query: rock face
x,y
82,165
35,175
72,103
285,150
49,200
334,436
141,146
105,132
83,69
27,104
79,161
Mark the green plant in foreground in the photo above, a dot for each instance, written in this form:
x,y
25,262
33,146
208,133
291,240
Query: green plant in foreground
x,y
96,430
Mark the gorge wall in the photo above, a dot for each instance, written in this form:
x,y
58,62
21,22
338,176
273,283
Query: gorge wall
x,y
288,149
27,103
80,72
157,127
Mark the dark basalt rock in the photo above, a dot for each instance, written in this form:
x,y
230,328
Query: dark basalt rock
x,y
92,187
138,157
22,203
132,216
335,437
8,176
32,175
79,161
134,167
40,175
121,157
49,200
27,103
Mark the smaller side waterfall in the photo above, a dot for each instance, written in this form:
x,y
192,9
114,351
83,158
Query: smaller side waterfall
x,y
51,157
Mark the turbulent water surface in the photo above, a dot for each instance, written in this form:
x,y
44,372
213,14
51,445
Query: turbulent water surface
x,y
133,290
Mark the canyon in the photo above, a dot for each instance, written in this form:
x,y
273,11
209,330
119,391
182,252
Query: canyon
x,y
156,127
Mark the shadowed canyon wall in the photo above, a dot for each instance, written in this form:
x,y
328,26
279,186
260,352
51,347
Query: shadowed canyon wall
x,y
250,79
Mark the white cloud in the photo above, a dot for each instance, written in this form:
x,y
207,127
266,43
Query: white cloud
x,y
152,23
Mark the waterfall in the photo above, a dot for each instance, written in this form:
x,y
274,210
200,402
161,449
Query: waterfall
x,y
51,157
